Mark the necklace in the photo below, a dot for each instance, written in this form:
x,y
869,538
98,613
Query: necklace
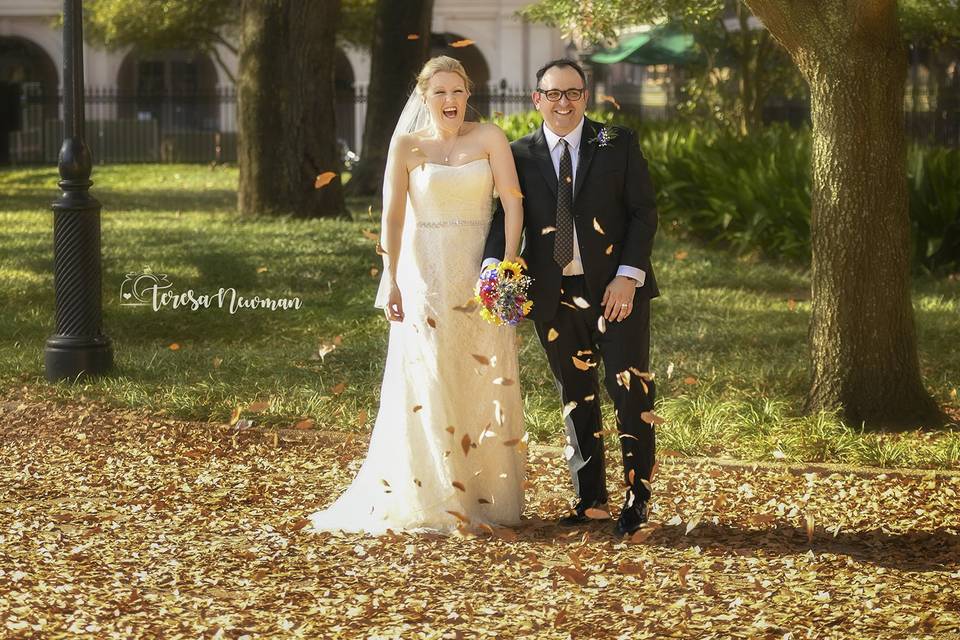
x,y
446,157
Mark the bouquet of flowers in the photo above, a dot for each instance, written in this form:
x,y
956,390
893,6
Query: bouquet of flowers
x,y
502,293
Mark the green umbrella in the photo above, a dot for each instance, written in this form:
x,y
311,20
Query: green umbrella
x,y
660,45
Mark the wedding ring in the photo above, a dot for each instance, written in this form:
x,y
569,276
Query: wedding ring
x,y
624,304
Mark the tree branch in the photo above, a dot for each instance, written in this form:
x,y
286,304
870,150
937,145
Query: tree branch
x,y
226,43
212,50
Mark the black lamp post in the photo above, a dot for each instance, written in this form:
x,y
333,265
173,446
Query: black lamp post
x,y
78,347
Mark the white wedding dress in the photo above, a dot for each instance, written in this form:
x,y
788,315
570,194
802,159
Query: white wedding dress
x,y
447,449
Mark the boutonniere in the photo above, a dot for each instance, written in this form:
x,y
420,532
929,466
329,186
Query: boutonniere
x,y
605,137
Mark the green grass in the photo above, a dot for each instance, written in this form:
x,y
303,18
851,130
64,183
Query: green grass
x,y
724,323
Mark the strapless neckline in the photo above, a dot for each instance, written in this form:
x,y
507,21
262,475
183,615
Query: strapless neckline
x,y
449,166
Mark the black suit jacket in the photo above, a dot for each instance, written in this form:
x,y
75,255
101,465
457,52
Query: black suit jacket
x,y
613,191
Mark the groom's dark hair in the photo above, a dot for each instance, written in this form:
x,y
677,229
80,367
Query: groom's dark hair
x,y
561,62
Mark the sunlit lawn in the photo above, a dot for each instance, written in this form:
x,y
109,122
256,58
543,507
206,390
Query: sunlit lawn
x,y
729,336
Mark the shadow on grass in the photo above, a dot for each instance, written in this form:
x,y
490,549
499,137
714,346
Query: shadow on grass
x,y
147,200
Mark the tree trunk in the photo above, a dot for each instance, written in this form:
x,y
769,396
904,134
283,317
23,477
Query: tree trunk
x,y
395,62
862,339
286,109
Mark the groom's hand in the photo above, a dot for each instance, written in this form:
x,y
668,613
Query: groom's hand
x,y
617,300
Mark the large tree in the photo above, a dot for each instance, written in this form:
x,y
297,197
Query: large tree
x,y
286,109
286,121
863,344
401,44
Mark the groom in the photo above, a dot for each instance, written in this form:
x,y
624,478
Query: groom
x,y
589,222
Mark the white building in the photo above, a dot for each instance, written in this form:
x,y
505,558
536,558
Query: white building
x,y
505,55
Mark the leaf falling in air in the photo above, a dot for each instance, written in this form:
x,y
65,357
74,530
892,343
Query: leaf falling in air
x,y
602,324
651,418
324,179
810,527
467,307
567,408
459,516
217,362
580,302
413,36
431,322
689,380
459,44
481,358
692,524
506,382
552,335
175,346
680,255
516,192
547,230
612,101
609,250
374,272
417,407
582,365
465,443
791,305
682,573
623,379
261,269
512,442
597,227
459,485
590,398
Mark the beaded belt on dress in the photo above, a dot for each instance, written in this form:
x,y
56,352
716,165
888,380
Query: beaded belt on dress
x,y
453,223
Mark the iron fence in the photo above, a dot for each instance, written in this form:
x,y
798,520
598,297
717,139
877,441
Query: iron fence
x,y
203,128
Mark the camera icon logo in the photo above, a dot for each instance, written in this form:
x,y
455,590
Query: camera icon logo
x,y
138,288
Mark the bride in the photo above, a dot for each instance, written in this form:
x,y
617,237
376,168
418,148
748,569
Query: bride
x,y
446,450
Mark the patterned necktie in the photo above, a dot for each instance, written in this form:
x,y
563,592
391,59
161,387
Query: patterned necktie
x,y
563,241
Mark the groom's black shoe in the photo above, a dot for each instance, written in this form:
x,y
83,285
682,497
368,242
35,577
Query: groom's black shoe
x,y
578,516
631,518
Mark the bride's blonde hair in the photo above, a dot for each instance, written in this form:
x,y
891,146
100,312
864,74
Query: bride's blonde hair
x,y
436,65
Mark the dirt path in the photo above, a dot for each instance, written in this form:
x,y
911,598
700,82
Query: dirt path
x,y
117,524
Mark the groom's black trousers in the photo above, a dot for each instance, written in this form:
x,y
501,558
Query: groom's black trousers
x,y
623,346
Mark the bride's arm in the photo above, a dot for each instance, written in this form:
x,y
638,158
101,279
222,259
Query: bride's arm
x,y
394,206
391,223
508,186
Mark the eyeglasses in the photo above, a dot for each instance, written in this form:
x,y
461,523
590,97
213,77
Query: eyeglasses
x,y
553,95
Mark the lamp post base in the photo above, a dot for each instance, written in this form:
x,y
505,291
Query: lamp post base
x,y
67,357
